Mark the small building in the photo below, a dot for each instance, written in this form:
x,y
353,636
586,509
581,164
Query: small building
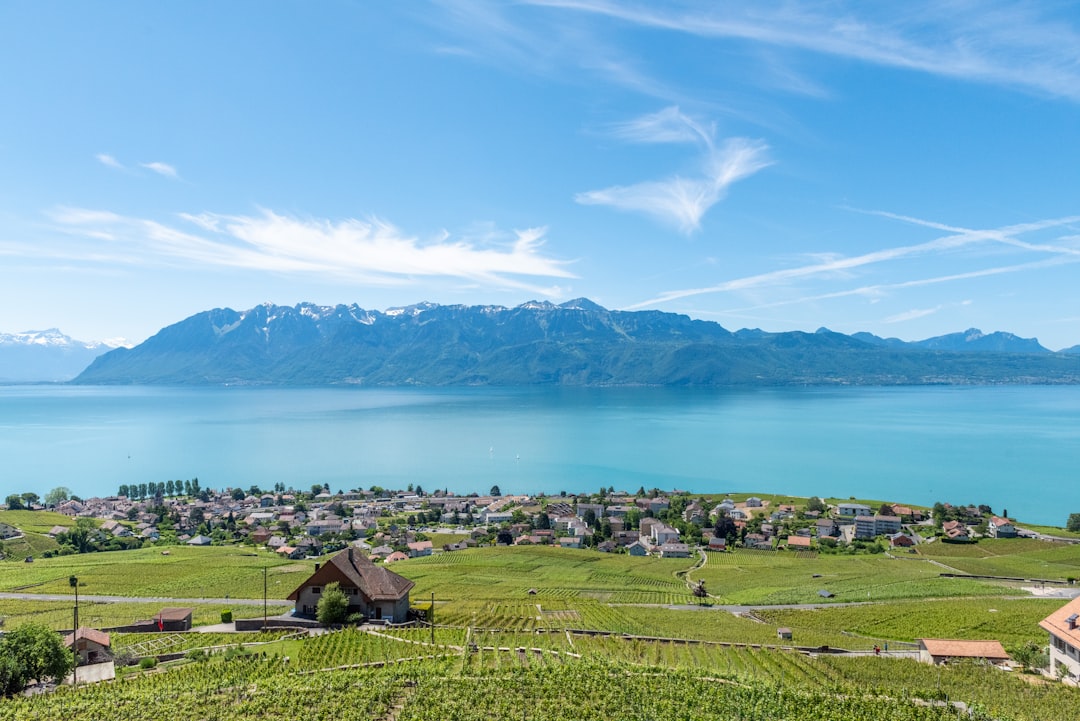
x,y
200,540
901,540
783,633
395,557
799,543
1063,625
637,548
374,591
717,543
91,645
940,650
174,619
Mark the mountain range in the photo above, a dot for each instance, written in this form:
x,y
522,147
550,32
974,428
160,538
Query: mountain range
x,y
575,343
36,356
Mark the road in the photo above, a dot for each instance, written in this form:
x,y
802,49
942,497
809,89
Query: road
x,y
141,599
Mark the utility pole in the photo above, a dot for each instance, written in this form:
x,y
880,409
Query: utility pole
x,y
431,618
75,637
264,597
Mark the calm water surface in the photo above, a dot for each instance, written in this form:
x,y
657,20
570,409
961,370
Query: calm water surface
x,y
1015,448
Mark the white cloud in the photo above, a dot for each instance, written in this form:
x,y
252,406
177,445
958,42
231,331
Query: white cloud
x,y
161,169
372,251
958,238
1006,43
912,314
681,201
109,161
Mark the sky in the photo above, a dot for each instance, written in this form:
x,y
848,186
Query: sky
x,y
908,169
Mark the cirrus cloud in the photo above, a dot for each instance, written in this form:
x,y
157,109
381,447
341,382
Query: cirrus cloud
x,y
372,251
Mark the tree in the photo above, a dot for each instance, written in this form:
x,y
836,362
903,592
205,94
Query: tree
x,y
725,528
333,605
504,538
38,654
1073,523
29,498
170,487
238,494
699,590
14,502
495,491
816,504
57,496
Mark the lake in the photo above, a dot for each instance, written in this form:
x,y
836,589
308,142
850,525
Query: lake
x,y
1014,448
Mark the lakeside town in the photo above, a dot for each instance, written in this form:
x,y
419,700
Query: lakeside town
x,y
389,525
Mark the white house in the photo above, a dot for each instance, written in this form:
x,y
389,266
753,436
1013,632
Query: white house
x,y
1063,625
999,527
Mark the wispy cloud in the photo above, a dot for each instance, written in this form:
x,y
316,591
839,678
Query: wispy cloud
x,y
958,238
372,251
109,161
913,314
1007,43
161,169
678,200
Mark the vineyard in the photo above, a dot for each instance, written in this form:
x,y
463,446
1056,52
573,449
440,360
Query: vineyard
x,y
491,675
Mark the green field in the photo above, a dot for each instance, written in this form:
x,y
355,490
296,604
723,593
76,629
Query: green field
x,y
186,572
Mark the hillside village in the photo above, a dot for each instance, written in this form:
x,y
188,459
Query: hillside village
x,y
390,525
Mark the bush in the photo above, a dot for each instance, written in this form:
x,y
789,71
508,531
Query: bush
x,y
226,616
356,619
196,654
148,662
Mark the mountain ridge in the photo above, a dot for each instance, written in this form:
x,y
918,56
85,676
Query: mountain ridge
x,y
46,356
576,343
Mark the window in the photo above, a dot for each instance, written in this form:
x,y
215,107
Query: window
x,y
316,589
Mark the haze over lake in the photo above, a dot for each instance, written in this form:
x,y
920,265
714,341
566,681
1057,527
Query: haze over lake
x,y
1013,448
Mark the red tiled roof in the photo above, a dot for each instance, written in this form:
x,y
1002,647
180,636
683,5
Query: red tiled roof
x,y
953,648
1057,623
90,634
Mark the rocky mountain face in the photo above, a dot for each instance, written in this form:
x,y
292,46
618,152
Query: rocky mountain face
x,y
576,343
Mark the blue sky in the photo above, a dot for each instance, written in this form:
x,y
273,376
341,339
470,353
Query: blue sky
x,y
908,169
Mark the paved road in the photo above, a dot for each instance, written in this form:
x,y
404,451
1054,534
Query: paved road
x,y
141,599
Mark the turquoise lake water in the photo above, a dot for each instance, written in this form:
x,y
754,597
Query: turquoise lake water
x,y
1014,448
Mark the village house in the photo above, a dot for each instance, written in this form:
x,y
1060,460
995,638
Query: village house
x,y
662,533
1063,625
999,527
637,548
420,548
674,550
955,530
373,591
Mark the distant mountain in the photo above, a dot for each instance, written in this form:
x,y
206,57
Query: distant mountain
x,y
971,340
45,356
576,343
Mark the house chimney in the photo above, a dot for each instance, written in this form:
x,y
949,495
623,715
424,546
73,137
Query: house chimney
x,y
1071,620
317,566
350,554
